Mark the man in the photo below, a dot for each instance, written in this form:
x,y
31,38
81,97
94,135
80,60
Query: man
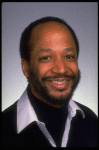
x,y
45,115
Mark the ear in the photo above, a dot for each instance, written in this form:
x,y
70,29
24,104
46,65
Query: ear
x,y
25,67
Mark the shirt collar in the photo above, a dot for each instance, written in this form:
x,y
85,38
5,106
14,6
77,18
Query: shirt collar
x,y
27,115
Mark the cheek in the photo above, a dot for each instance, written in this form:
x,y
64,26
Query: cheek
x,y
42,70
74,68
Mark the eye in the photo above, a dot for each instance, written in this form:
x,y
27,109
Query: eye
x,y
70,57
45,58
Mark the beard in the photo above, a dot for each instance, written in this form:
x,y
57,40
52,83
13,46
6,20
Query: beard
x,y
44,91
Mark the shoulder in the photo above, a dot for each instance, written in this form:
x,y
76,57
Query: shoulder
x,y
9,126
88,112
85,130
10,110
9,116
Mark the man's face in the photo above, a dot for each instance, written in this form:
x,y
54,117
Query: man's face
x,y
53,68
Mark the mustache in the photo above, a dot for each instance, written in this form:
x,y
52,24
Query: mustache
x,y
58,76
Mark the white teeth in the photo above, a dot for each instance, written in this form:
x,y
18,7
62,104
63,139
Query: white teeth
x,y
58,82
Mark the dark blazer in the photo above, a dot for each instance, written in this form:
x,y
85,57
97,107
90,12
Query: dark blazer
x,y
83,132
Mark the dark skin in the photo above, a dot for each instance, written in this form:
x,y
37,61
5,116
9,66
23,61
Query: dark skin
x,y
53,54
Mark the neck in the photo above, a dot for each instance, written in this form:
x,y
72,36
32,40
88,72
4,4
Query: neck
x,y
46,113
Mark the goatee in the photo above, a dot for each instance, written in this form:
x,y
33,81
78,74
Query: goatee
x,y
43,91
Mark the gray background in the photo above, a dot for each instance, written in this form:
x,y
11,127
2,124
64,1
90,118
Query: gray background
x,y
81,16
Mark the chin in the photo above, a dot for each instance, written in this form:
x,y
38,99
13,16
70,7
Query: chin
x,y
59,98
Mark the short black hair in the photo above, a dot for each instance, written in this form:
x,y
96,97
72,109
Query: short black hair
x,y
26,34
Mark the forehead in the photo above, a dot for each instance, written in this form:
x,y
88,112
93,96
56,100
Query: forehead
x,y
50,34
48,27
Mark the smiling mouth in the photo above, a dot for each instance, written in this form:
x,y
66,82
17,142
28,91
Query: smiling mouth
x,y
59,82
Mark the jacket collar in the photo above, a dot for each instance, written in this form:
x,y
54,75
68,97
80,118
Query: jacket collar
x,y
27,115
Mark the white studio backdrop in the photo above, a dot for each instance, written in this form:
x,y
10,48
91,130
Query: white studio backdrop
x,y
81,16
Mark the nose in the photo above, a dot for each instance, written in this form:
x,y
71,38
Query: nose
x,y
59,66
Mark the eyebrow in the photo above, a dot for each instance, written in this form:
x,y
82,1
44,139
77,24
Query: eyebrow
x,y
69,49
44,50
